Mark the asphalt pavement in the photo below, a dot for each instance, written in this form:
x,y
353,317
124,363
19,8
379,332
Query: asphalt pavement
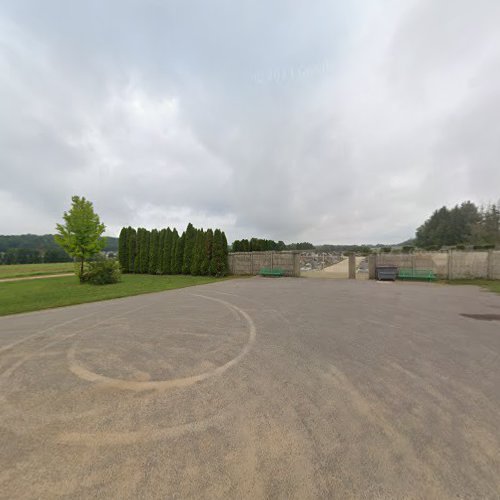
x,y
255,388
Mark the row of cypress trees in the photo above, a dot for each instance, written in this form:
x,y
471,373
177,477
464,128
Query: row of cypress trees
x,y
196,252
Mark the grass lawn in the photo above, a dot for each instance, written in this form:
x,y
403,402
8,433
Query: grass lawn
x,y
491,285
33,295
22,270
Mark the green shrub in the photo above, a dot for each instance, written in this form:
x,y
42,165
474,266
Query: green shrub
x,y
484,247
102,272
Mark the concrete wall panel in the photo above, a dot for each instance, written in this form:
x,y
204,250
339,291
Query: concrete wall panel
x,y
494,267
448,265
244,263
469,265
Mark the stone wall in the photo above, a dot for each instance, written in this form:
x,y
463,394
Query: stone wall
x,y
241,263
453,264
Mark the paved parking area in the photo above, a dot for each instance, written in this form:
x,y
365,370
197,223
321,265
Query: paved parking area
x,y
255,388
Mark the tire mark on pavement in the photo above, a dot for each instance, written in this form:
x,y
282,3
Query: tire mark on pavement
x,y
41,332
96,439
15,366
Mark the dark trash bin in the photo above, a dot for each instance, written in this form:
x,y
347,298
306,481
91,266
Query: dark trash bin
x,y
387,273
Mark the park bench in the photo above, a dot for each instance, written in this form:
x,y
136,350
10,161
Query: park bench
x,y
416,274
276,271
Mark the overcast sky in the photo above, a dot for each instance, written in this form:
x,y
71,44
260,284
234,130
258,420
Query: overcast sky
x,y
326,121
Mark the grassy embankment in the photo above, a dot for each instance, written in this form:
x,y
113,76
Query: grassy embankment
x,y
33,295
25,270
491,285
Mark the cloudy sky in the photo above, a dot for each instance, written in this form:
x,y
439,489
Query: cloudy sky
x,y
326,121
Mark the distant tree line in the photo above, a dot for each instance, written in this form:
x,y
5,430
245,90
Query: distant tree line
x,y
33,256
462,225
262,245
35,249
195,251
358,249
257,245
31,249
305,245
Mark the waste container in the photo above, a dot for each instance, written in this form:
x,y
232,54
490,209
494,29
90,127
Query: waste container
x,y
387,273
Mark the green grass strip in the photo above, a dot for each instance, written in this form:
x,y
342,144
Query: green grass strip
x,y
24,270
491,285
34,295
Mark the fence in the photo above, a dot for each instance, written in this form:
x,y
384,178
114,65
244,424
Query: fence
x,y
453,264
251,262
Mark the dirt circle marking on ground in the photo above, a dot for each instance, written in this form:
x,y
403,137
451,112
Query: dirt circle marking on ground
x,y
135,385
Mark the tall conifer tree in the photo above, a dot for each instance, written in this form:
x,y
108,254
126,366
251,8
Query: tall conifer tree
x,y
207,252
132,249
217,267
189,242
166,254
173,252
153,251
161,246
143,250
179,254
139,250
197,253
226,253
123,250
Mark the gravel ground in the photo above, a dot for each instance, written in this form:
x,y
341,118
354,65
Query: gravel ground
x,y
256,388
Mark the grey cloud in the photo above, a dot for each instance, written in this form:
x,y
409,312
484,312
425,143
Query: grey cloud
x,y
325,122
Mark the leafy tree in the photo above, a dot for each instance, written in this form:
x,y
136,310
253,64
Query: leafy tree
x,y
81,234
263,245
102,271
42,243
28,241
21,256
447,227
123,249
153,252
256,245
189,242
56,255
305,245
490,218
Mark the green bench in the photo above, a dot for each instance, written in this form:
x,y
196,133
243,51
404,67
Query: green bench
x,y
276,271
416,274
